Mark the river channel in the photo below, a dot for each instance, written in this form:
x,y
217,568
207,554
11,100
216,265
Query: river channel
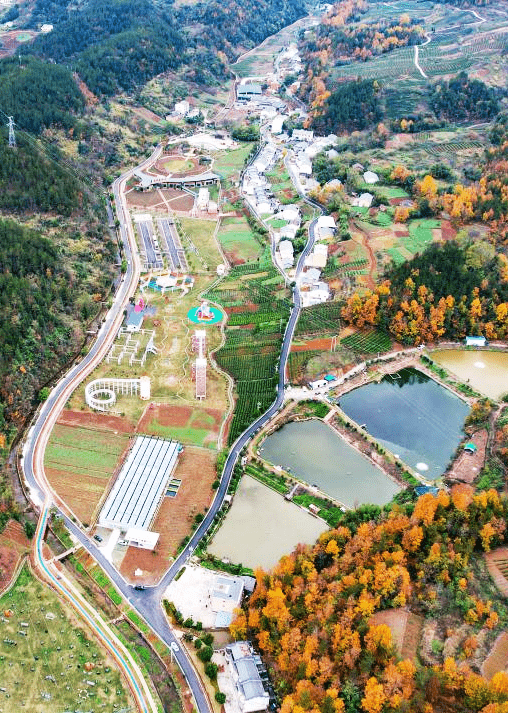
x,y
314,453
413,416
486,372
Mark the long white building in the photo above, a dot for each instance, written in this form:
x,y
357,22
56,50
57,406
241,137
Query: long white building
x,y
135,497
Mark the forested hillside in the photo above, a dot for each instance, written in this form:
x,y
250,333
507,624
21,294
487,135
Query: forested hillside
x,y
446,292
51,188
49,286
311,615
38,94
463,98
120,45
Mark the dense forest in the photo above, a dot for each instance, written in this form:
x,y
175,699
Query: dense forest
x,y
38,94
464,98
354,106
311,616
448,291
48,289
121,44
51,188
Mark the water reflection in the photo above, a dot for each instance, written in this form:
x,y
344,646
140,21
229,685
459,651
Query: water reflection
x,y
420,422
317,455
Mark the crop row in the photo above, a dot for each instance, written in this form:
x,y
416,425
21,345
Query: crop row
x,y
248,367
437,149
368,343
319,319
254,398
240,318
354,263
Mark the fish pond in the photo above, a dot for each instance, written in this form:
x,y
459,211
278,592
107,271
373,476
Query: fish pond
x,y
313,452
413,416
261,527
486,372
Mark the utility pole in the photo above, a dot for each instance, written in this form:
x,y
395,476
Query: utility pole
x,y
12,135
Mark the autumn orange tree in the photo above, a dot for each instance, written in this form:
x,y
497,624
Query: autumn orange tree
x,y
311,616
444,292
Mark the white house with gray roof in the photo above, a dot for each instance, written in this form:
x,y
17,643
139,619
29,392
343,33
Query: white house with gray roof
x,y
245,666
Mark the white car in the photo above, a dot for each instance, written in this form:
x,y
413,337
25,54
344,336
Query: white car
x,y
174,647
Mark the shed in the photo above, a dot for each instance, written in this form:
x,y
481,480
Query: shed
x,y
144,539
476,342
134,320
329,377
423,489
470,447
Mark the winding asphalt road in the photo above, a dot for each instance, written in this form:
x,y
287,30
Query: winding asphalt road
x,y
146,602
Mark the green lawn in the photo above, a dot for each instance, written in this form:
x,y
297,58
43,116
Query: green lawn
x,y
392,192
420,233
232,162
237,238
43,671
184,434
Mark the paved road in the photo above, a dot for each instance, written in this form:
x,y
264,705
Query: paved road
x,y
146,602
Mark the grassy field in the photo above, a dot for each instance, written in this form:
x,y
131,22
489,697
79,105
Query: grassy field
x,y
43,669
184,434
178,165
79,463
201,233
237,240
231,163
84,450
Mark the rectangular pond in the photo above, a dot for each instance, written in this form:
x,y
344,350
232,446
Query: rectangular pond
x,y
261,526
486,372
313,452
413,416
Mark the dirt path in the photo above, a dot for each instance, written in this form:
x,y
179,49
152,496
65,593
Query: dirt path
x,y
371,284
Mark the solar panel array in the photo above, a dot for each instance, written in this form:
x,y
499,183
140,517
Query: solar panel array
x,y
134,498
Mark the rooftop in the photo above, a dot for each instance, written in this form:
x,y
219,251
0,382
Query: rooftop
x,y
136,494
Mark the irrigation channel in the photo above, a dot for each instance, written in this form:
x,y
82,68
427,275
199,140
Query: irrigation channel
x,y
148,602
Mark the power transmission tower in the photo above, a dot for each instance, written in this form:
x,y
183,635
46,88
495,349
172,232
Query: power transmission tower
x,y
12,135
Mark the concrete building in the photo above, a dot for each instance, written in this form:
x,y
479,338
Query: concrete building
x,y
226,593
289,212
363,201
286,257
245,92
302,135
319,255
245,668
278,123
182,108
288,231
